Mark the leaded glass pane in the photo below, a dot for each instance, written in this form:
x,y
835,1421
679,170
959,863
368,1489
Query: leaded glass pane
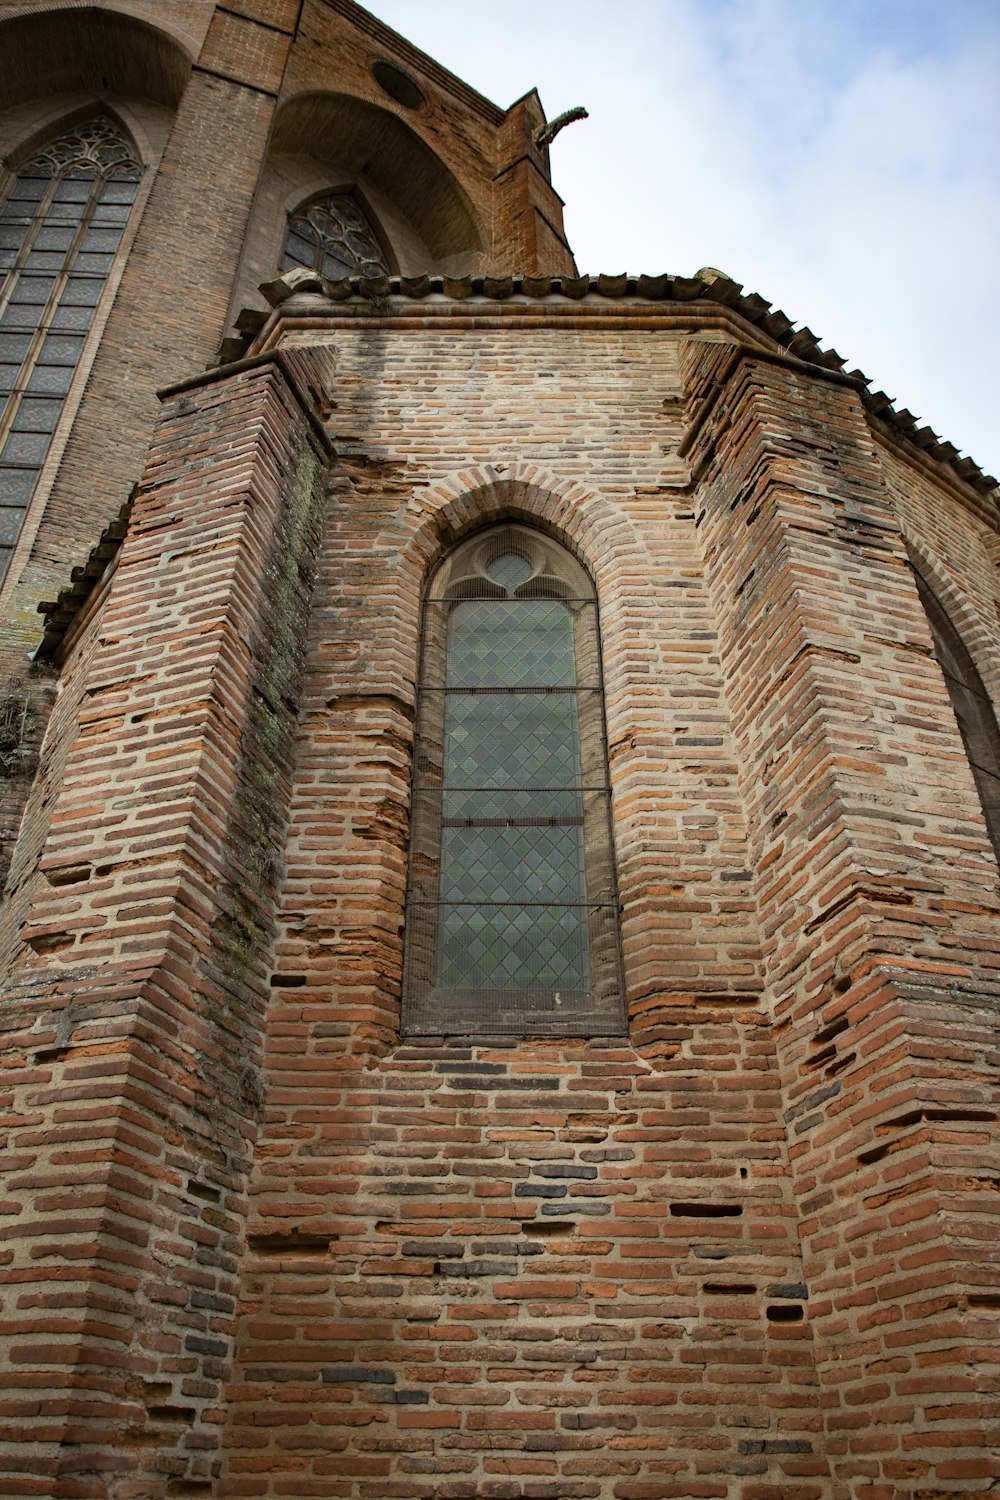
x,y
512,863
72,195
525,949
13,346
60,349
36,289
511,739
508,570
71,319
511,643
16,486
54,238
93,265
17,316
82,292
101,239
24,448
10,524
512,914
52,379
110,215
27,188
86,177
37,415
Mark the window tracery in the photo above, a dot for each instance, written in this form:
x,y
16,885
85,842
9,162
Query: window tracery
x,y
332,235
60,229
512,906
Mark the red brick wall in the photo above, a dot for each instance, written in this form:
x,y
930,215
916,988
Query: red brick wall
x,y
195,238
957,548
748,1246
537,1269
253,1244
135,1012
877,893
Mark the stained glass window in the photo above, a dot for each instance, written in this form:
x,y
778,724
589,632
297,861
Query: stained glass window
x,y
512,914
333,236
60,228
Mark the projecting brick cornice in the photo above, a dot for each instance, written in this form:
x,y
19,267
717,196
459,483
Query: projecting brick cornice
x,y
563,300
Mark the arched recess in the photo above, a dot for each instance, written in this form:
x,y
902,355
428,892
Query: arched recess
x,y
92,51
328,142
970,700
391,156
60,70
512,907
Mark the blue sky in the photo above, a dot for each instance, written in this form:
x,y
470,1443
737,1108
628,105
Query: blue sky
x,y
837,156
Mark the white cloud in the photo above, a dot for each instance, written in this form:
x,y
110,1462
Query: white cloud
x,y
839,157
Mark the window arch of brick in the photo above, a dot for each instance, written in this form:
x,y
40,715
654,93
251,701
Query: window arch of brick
x,y
972,705
335,235
61,224
512,910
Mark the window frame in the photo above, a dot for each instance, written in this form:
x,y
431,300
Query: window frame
x,y
429,1008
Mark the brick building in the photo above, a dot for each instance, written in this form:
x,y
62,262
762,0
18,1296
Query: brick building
x,y
500,821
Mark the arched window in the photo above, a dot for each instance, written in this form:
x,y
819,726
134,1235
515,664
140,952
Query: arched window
x,y
60,228
333,236
512,915
971,702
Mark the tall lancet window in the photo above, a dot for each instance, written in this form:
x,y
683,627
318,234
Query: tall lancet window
x,y
332,235
60,229
512,916
973,709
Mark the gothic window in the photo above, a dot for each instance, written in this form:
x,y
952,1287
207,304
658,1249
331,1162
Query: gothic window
x,y
60,228
333,236
512,916
971,703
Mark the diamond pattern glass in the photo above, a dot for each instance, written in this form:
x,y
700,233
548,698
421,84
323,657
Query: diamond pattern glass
x,y
488,947
523,739
50,280
516,864
511,923
512,913
508,570
511,643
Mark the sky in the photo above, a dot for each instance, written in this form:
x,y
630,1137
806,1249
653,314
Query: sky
x,y
840,157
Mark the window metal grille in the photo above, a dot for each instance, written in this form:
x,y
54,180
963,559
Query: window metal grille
x,y
333,236
512,915
60,229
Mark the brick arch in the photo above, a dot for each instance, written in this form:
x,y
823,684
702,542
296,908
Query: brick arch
x,y
575,516
341,131
93,50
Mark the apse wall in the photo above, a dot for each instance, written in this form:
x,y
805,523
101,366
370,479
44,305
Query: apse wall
x,y
517,1265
